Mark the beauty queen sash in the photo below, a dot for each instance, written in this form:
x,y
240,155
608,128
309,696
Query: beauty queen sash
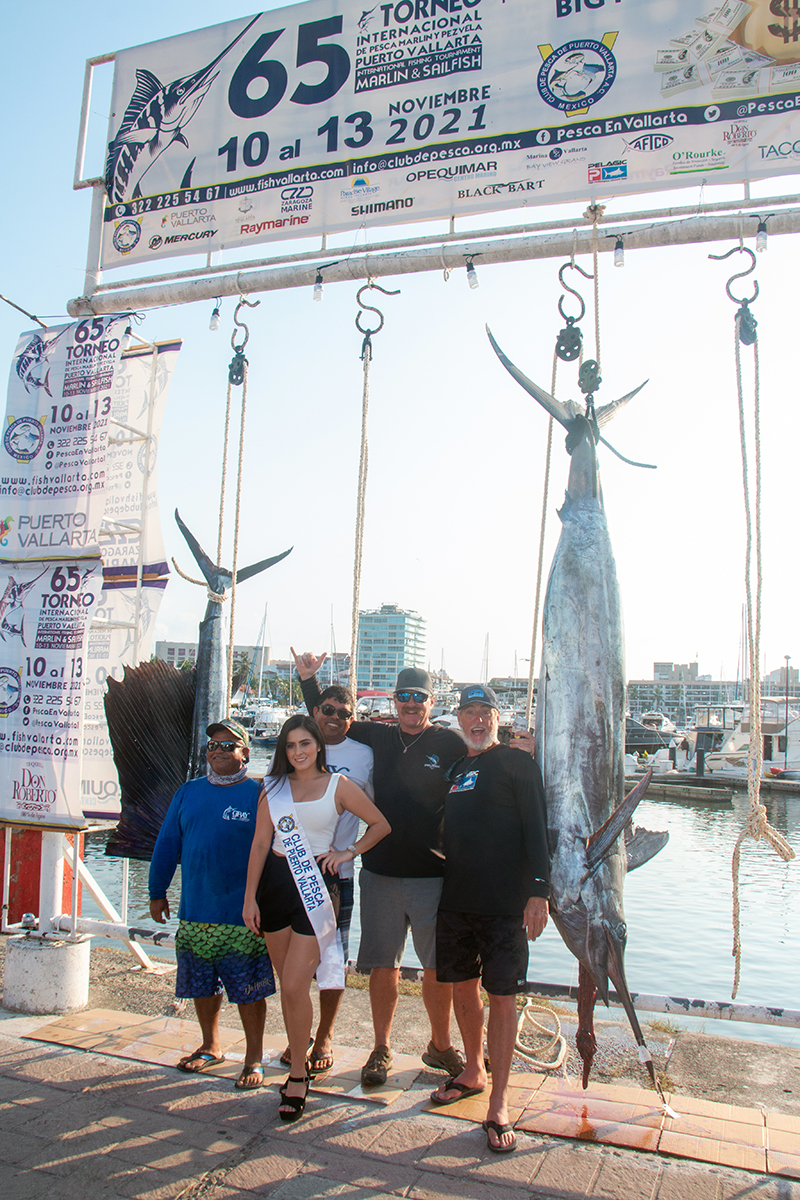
x,y
310,885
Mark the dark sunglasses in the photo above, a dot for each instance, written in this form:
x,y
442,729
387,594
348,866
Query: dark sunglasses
x,y
227,747
418,697
342,714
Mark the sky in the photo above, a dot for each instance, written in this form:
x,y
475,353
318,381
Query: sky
x,y
457,449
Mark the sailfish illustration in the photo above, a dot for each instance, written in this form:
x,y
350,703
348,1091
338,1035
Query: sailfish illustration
x,y
155,118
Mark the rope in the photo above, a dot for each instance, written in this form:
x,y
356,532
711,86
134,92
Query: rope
x,y
555,1038
236,538
217,597
224,471
363,466
545,491
756,824
596,213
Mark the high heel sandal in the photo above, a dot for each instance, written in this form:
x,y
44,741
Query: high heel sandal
x,y
297,1103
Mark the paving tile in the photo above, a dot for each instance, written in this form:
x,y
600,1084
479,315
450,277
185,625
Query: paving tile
x,y
372,1174
685,1181
160,1154
433,1186
783,1121
265,1167
30,1185
628,1175
458,1151
567,1170
406,1140
781,1163
711,1150
16,1146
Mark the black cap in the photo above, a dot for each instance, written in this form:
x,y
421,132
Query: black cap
x,y
478,693
414,679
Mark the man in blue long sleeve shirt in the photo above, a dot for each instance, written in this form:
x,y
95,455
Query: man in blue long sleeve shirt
x,y
209,829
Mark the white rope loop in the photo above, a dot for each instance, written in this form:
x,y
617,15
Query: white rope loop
x,y
756,824
555,1038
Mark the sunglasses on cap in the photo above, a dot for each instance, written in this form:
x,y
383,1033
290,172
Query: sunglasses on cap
x,y
226,747
341,714
417,697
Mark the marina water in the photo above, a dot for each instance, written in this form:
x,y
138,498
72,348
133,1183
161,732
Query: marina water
x,y
677,907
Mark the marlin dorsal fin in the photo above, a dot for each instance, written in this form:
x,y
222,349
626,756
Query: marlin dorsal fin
x,y
603,838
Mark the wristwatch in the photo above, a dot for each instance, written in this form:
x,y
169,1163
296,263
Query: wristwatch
x,y
353,850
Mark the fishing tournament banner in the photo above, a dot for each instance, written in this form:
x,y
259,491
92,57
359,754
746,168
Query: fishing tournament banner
x,y
131,529
327,116
46,613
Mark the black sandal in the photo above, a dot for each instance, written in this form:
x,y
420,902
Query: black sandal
x,y
296,1103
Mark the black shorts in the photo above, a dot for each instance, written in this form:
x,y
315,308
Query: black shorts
x,y
493,949
279,901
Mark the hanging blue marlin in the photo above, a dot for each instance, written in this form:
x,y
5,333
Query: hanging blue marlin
x,y
30,363
580,730
155,117
211,696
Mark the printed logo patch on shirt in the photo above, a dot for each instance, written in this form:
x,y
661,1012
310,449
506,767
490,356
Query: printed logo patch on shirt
x,y
233,814
432,761
466,782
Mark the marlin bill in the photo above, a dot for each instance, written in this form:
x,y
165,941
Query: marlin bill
x,y
580,729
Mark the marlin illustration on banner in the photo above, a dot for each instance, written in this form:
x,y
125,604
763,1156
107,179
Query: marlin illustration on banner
x,y
156,116
13,598
33,358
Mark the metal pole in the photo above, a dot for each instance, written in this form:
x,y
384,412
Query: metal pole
x,y
560,244
786,728
94,275
51,879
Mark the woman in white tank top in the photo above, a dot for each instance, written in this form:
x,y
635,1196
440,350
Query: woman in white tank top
x,y
273,904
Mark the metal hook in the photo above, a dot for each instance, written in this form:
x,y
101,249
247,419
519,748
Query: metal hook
x,y
371,307
739,274
250,304
575,267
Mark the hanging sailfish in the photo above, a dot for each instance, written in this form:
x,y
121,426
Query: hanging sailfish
x,y
157,716
580,730
154,119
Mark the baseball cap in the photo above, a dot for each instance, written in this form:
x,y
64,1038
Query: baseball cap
x,y
477,693
414,679
232,727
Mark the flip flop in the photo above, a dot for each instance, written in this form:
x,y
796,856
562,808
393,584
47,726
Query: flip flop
x,y
499,1130
454,1085
203,1060
255,1069
318,1064
286,1057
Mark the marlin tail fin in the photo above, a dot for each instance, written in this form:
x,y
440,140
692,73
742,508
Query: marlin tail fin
x,y
210,571
249,572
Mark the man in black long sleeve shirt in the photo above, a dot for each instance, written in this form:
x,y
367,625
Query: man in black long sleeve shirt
x,y
496,885
400,883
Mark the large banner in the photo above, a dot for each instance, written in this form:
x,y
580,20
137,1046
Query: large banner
x,y
327,116
54,441
122,634
46,612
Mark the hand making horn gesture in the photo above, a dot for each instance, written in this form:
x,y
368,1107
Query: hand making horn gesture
x,y
307,664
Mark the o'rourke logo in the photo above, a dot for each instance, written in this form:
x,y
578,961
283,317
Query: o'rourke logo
x,y
10,690
577,74
126,236
24,438
286,824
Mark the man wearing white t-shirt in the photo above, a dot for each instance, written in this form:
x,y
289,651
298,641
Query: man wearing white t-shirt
x,y
334,715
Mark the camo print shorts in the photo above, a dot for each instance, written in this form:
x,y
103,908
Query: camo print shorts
x,y
213,956
494,949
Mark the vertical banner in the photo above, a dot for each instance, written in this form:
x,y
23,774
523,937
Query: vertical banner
x,y
130,538
53,452
46,612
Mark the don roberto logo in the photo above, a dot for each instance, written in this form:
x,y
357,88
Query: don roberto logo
x,y
577,74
